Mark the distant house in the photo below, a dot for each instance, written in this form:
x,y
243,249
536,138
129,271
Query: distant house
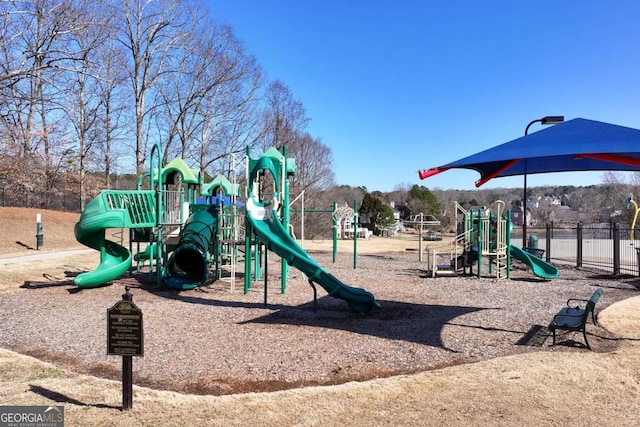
x,y
551,200
405,212
398,227
362,232
517,217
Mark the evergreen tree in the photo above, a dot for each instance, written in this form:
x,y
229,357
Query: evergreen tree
x,y
379,215
423,200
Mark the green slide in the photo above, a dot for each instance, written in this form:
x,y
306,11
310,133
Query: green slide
x,y
111,209
539,267
187,267
270,230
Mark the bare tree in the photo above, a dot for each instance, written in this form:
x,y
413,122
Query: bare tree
x,y
213,97
613,200
82,98
284,116
31,32
230,119
153,33
36,48
314,162
112,106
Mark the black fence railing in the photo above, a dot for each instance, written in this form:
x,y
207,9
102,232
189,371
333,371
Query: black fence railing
x,y
610,248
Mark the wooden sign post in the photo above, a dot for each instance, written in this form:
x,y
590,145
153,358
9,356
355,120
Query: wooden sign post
x,y
125,338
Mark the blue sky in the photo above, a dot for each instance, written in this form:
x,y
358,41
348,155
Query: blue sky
x,y
396,86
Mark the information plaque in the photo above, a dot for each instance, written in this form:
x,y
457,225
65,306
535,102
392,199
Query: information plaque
x,y
125,335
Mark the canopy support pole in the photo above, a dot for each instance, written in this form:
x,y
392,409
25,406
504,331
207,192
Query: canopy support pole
x,y
524,214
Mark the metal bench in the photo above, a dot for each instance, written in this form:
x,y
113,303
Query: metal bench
x,y
575,318
534,251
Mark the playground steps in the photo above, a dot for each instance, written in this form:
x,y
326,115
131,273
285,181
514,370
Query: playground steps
x,y
442,259
231,249
444,272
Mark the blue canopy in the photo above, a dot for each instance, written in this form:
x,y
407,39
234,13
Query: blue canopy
x,y
575,145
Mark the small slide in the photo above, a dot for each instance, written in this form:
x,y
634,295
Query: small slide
x,y
115,259
539,267
187,267
270,230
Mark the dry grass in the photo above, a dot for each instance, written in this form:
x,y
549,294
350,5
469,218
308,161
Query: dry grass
x,y
19,231
542,389
539,388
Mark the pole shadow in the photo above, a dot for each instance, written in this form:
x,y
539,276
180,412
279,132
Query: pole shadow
x,y
61,398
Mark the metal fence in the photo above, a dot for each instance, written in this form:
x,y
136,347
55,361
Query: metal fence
x,y
609,248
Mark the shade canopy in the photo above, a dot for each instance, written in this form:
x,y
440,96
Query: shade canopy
x,y
575,145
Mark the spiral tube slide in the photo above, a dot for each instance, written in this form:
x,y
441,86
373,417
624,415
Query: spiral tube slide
x,y
115,259
187,267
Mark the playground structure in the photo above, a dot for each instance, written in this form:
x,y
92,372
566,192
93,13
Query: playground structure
x,y
631,202
483,235
422,223
189,229
340,216
346,221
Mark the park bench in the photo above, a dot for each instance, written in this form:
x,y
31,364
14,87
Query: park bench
x,y
534,251
575,318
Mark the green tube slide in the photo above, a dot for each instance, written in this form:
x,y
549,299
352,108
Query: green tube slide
x,y
187,267
115,259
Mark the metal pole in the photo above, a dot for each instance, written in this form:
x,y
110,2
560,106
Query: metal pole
x,y
616,249
419,236
266,276
524,213
579,243
248,253
355,234
285,215
127,369
547,120
548,241
127,382
524,198
335,231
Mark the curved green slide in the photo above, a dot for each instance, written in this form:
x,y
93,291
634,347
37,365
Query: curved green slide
x,y
111,209
539,267
115,259
271,231
187,267
266,224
